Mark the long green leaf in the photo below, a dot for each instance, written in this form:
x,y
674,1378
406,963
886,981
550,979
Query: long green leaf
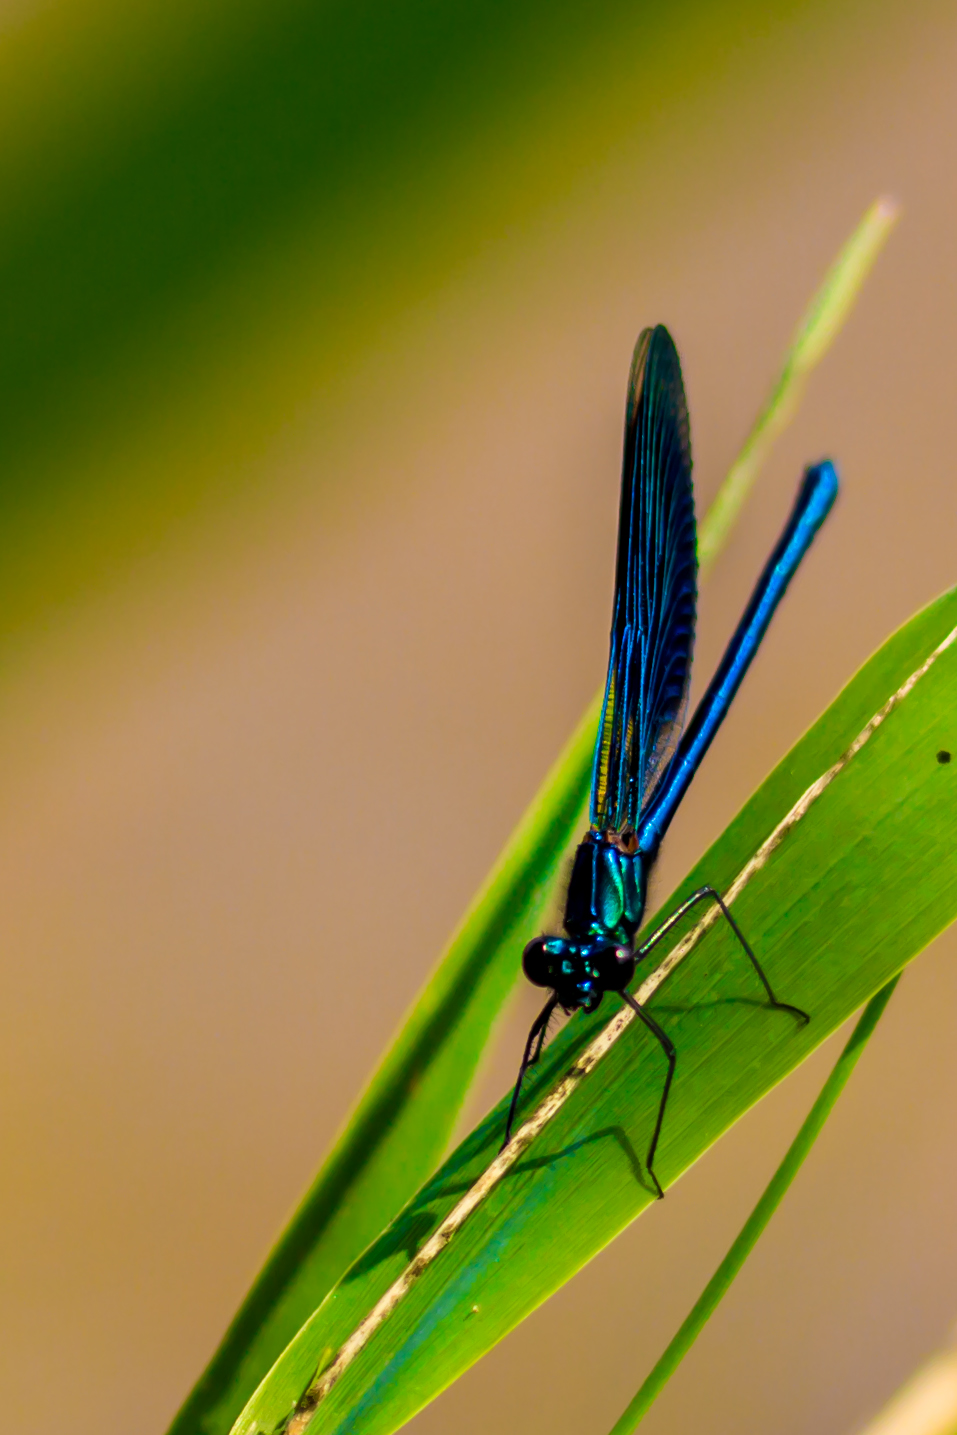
x,y
744,1243
819,327
402,1124
403,1121
840,866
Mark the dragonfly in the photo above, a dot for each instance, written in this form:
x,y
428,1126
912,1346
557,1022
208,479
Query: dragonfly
x,y
645,759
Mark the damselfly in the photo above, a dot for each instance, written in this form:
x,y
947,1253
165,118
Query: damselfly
x,y
643,765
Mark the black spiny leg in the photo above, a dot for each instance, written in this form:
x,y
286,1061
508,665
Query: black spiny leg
x,y
668,1047
700,896
533,1050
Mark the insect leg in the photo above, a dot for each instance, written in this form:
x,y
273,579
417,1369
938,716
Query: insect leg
x,y
701,895
668,1047
533,1050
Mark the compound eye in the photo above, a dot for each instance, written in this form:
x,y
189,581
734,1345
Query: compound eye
x,y
539,962
614,963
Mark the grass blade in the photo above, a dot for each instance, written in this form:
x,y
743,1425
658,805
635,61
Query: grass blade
x,y
403,1122
820,326
836,908
719,1284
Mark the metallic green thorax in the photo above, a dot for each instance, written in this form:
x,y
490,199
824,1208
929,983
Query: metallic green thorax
x,y
606,894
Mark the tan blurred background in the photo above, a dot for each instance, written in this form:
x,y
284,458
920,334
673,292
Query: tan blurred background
x,y
230,767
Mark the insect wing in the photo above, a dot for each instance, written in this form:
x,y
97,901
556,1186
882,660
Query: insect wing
x,y
652,634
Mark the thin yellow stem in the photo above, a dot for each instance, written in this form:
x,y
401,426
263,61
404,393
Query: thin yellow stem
x,y
820,326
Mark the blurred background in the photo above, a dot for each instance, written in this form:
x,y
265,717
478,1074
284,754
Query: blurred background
x,y
315,321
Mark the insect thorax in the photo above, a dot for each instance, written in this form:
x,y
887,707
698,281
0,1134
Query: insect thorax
x,y
606,894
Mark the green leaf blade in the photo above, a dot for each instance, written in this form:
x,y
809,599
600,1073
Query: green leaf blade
x,y
819,327
744,1243
854,892
403,1122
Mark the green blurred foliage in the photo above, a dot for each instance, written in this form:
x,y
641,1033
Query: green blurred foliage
x,y
209,209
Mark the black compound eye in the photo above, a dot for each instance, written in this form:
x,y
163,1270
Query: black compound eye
x,y
539,962
613,963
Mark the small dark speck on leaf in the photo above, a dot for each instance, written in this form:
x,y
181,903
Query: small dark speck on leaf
x,y
943,755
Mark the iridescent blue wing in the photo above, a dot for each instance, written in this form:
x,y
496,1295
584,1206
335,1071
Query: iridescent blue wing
x,y
652,633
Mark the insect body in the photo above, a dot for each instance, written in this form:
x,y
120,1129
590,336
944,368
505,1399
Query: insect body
x,y
643,764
